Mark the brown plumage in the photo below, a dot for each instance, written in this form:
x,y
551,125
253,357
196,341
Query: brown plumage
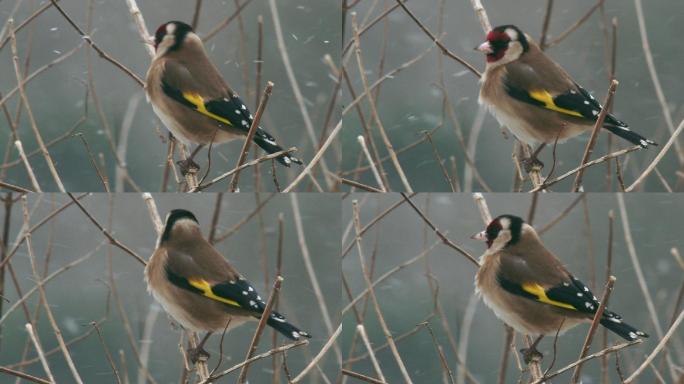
x,y
198,287
191,97
529,288
534,97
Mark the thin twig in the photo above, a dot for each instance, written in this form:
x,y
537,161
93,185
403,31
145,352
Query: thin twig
x,y
265,315
110,360
29,169
250,135
243,166
439,233
606,351
106,233
594,326
374,299
361,377
650,63
371,163
374,111
299,98
314,362
547,183
23,375
654,163
39,351
317,157
594,134
311,272
374,361
545,24
657,349
29,111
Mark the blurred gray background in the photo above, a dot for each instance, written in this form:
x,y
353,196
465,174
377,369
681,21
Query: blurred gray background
x,y
405,297
81,295
411,101
311,29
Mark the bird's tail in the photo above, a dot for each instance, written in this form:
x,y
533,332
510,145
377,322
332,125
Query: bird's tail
x,y
268,144
619,128
280,324
613,321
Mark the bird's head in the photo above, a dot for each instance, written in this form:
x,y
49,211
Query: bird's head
x,y
503,231
504,44
179,221
171,36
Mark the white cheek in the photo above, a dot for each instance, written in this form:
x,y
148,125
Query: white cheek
x,y
512,33
170,29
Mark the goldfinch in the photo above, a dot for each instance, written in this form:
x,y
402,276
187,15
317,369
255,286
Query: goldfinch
x,y
199,288
528,287
191,98
534,97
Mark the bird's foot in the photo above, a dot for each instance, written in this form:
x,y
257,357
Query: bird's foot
x,y
531,354
532,164
198,354
188,166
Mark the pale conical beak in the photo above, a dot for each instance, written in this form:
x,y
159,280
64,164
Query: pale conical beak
x,y
481,236
485,47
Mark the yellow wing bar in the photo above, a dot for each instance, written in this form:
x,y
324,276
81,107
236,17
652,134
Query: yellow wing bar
x,y
546,98
197,100
205,287
540,292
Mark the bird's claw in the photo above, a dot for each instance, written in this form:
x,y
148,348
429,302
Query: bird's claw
x,y
198,354
188,166
531,354
532,164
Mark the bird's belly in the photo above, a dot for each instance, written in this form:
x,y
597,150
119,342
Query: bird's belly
x,y
194,127
520,129
541,126
185,307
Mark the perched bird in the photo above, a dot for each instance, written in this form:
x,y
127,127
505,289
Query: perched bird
x,y
191,98
529,289
199,288
534,97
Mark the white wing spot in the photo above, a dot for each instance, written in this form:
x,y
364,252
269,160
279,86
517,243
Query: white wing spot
x,y
573,93
244,122
252,303
566,284
586,289
295,334
586,102
594,112
250,289
244,293
258,297
580,294
237,111
243,106
231,282
250,116
632,335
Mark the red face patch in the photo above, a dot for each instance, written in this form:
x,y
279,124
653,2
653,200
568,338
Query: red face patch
x,y
498,40
494,227
159,34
